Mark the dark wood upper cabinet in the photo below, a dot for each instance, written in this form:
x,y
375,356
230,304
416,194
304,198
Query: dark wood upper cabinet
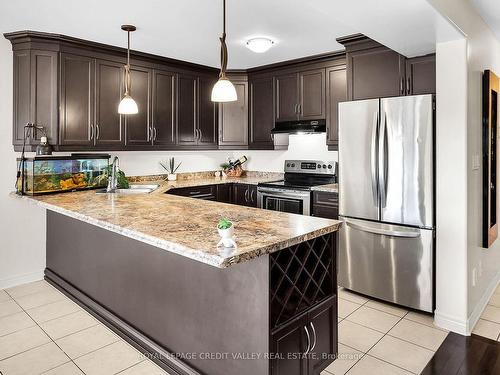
x,y
261,112
375,73
138,126
163,108
35,96
287,95
187,106
233,118
312,94
207,114
336,92
108,131
77,100
421,75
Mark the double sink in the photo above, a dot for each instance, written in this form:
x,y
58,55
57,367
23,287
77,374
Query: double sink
x,y
133,189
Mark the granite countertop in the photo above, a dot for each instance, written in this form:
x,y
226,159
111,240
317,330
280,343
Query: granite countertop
x,y
187,226
329,188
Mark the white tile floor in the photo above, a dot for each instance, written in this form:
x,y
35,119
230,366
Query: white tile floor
x,y
44,332
489,323
381,339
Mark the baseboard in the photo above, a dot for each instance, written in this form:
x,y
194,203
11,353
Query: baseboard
x,y
481,305
24,278
451,323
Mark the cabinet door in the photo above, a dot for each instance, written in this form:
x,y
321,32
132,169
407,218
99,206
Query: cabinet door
x,y
261,112
224,193
375,73
241,194
252,196
163,110
137,127
109,91
287,98
322,323
186,110
207,114
287,346
421,75
336,92
233,118
312,94
77,100
35,96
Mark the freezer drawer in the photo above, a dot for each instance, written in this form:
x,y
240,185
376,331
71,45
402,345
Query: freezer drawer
x,y
389,262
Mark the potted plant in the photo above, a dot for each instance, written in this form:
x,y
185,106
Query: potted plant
x,y
226,232
171,169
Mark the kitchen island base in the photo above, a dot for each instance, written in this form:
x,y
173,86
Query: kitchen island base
x,y
275,314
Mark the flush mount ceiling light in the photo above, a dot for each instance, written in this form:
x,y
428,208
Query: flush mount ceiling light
x,y
128,106
259,45
223,90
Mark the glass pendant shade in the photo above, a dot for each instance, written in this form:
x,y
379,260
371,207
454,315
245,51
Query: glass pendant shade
x,y
224,91
127,106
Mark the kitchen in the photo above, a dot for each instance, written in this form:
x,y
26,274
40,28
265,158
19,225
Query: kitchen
x,y
286,121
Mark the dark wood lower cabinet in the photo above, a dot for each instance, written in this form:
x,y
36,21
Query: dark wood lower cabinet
x,y
325,204
308,344
245,195
240,194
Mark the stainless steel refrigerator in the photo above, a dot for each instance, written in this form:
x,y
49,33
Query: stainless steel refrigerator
x,y
386,199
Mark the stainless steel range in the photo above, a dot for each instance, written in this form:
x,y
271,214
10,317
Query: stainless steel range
x,y
293,194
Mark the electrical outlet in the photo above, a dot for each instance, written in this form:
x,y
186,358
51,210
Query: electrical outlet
x,y
474,277
476,162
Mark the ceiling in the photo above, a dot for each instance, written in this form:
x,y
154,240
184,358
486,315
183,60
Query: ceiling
x,y
490,12
189,29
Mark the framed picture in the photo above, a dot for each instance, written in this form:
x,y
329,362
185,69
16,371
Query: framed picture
x,y
490,124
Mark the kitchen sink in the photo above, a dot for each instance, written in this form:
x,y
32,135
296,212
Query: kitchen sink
x,y
133,189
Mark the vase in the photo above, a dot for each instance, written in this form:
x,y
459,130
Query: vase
x,y
172,177
226,236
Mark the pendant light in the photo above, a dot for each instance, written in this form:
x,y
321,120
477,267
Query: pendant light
x,y
127,106
223,90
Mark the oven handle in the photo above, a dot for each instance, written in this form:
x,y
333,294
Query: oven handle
x,y
283,194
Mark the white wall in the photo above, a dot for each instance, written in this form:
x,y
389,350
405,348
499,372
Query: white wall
x,y
22,225
312,146
483,52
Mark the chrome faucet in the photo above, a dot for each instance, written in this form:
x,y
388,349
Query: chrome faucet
x,y
113,179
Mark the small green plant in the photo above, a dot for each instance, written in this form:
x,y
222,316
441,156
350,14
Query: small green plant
x,y
224,223
171,168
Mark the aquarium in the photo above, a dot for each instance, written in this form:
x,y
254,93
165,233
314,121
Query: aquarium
x,y
53,174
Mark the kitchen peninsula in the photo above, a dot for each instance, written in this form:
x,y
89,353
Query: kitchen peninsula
x,y
148,265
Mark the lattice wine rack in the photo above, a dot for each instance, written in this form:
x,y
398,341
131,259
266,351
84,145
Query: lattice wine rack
x,y
301,276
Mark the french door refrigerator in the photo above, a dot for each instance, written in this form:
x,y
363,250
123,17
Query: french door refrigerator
x,y
386,199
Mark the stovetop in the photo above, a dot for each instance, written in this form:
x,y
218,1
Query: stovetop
x,y
304,174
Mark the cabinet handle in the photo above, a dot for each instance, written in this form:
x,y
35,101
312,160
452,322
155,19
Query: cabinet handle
x,y
314,336
91,132
402,84
98,132
252,195
155,132
300,108
408,86
201,134
246,195
308,340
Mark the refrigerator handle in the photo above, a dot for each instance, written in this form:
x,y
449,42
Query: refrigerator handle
x,y
374,158
384,232
383,159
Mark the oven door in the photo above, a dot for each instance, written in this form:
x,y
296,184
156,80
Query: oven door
x,y
284,200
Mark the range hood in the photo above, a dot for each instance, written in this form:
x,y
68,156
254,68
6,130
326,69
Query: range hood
x,y
300,127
